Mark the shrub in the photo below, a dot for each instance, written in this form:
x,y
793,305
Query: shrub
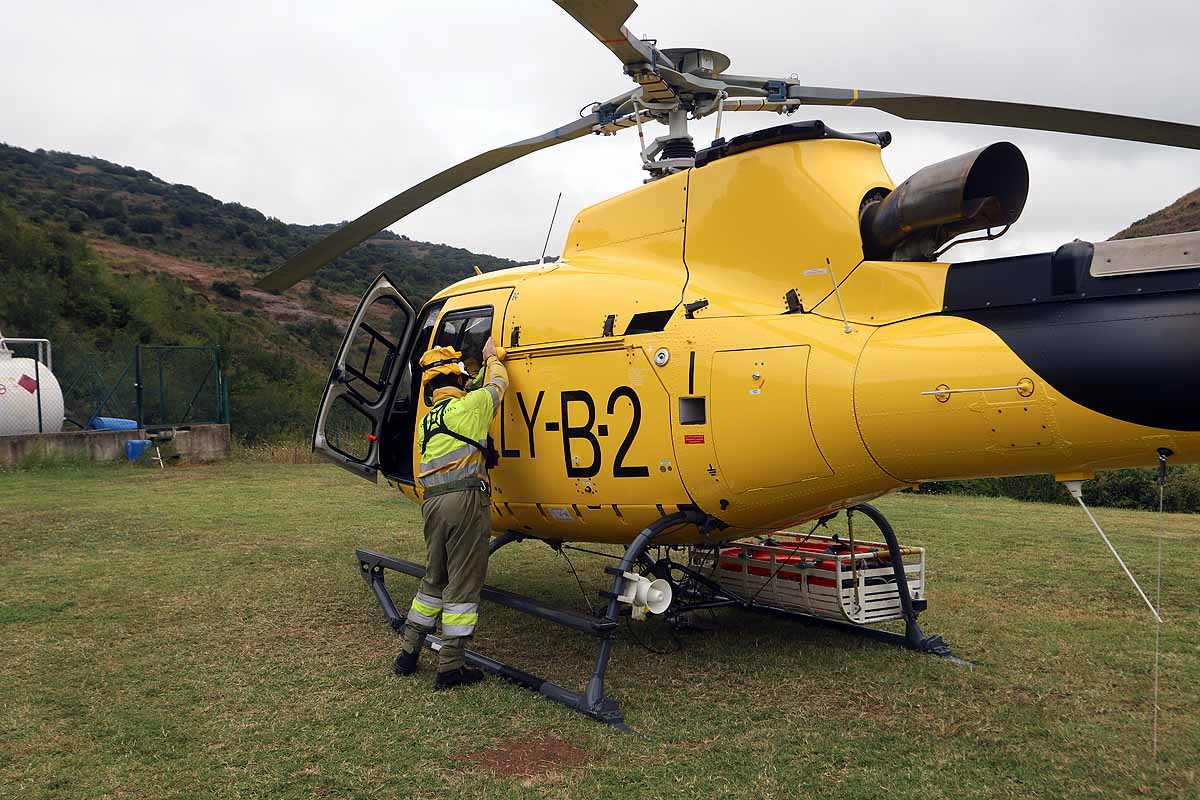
x,y
1120,488
228,289
186,216
114,227
114,208
145,223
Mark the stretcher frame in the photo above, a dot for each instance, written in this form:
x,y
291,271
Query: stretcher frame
x,y
860,588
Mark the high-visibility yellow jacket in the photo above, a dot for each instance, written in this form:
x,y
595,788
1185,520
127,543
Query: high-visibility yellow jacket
x,y
448,463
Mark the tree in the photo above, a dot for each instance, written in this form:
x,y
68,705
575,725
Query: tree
x,y
114,208
114,227
145,223
186,216
228,289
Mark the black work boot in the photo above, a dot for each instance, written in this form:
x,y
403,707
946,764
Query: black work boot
x,y
405,663
463,676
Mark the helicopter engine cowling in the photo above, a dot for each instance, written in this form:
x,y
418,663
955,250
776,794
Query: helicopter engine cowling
x,y
979,190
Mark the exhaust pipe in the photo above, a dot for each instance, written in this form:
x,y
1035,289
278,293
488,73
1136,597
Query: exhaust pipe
x,y
983,189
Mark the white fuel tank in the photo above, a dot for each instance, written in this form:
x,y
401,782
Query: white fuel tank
x,y
27,387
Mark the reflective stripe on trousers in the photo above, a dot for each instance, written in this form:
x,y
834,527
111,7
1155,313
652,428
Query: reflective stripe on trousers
x,y
425,609
460,619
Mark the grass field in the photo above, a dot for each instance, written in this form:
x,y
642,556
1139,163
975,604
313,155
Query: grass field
x,y
202,632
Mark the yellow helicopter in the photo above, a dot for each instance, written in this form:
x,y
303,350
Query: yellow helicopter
x,y
765,333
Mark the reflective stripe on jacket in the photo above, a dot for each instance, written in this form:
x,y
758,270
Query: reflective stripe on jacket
x,y
448,460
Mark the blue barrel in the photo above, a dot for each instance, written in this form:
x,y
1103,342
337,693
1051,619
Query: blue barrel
x,y
112,424
135,448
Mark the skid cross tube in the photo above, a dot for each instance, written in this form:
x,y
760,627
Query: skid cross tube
x,y
592,701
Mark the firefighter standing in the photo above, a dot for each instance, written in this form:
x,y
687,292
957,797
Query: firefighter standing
x,y
452,439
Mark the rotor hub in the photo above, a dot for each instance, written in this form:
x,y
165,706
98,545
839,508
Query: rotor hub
x,y
698,61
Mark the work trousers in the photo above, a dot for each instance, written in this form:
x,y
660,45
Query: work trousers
x,y
457,528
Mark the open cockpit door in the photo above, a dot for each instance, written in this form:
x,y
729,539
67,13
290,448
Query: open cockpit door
x,y
354,410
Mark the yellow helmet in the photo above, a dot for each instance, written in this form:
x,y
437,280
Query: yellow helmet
x,y
441,361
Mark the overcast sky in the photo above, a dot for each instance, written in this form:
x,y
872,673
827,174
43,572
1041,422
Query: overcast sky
x,y
315,112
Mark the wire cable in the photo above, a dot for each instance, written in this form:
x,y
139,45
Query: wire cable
x,y
795,546
1076,490
1158,628
1117,556
676,644
1163,455
578,582
613,556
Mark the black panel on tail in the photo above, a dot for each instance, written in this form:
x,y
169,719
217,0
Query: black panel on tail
x,y
1127,347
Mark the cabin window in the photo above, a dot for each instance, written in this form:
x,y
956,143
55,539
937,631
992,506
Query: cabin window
x,y
467,331
373,347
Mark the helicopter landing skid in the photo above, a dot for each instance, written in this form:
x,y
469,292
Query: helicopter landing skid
x,y
913,637
592,701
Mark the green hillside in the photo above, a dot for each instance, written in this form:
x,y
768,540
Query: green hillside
x,y
1181,216
99,198
55,286
100,257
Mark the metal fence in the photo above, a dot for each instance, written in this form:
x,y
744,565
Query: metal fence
x,y
151,387
179,385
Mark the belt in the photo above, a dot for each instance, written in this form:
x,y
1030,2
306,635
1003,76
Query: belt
x,y
464,485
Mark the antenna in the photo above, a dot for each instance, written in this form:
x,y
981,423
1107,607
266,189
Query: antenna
x,y
542,259
832,277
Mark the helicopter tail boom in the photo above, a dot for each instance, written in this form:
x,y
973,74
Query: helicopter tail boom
x,y
1059,363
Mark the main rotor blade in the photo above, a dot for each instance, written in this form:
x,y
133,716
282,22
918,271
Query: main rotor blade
x,y
991,112
317,255
605,19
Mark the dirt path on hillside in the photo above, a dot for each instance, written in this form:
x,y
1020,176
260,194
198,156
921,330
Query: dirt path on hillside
x,y
127,260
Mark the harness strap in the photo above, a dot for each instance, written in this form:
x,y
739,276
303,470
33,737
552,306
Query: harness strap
x,y
438,425
462,485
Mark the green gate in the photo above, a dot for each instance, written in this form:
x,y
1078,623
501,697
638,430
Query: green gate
x,y
159,386
179,386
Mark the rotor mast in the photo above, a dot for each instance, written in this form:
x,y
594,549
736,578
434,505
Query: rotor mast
x,y
671,153
677,84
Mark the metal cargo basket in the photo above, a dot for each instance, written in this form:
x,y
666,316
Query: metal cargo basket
x,y
817,575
